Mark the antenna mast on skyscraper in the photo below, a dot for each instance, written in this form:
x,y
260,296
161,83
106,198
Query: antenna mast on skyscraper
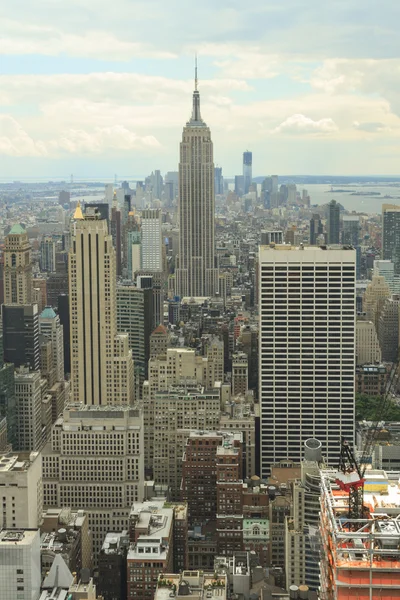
x,y
195,72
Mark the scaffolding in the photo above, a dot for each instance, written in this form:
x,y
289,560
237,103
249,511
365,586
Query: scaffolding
x,y
360,558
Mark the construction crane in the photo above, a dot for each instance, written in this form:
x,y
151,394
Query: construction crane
x,y
350,476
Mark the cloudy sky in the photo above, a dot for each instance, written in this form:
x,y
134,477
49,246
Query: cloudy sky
x,y
97,87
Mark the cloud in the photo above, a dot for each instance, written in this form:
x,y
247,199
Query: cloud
x,y
93,44
15,141
369,127
300,124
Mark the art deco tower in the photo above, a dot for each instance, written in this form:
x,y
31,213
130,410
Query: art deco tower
x,y
17,267
101,362
196,274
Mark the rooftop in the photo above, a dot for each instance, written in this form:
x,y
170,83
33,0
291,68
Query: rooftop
x,y
17,462
17,229
191,584
18,537
48,313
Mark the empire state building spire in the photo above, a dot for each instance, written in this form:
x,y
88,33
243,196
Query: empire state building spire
x,y
196,119
196,274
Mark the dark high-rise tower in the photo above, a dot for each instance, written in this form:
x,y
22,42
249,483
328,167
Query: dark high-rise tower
x,y
247,170
333,222
391,235
196,275
316,228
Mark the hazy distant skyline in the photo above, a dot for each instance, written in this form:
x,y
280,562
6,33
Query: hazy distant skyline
x,y
98,88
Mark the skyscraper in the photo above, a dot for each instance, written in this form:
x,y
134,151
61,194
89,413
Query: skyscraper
x,y
316,228
333,222
17,267
101,362
391,235
247,171
151,240
48,254
196,275
307,350
50,326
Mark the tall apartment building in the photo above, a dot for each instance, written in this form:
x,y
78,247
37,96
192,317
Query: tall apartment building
x,y
47,259
240,374
199,478
135,317
101,361
177,411
175,367
389,329
391,235
229,514
152,240
307,350
21,490
241,417
50,327
368,350
152,548
196,274
33,408
20,576
94,462
17,267
301,527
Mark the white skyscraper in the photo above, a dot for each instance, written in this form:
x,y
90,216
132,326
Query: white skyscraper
x,y
307,350
196,275
151,241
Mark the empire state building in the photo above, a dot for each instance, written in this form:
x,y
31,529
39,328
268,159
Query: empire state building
x,y
196,274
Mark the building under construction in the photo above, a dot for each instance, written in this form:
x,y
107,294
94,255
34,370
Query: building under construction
x,y
360,558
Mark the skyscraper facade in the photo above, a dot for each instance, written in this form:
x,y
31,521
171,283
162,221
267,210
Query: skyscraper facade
x,y
307,350
333,222
48,254
391,235
17,267
196,275
247,171
316,229
101,362
151,240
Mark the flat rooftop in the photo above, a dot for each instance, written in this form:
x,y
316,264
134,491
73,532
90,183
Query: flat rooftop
x,y
17,462
19,537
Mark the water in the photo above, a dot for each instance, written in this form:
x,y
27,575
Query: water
x,y
322,194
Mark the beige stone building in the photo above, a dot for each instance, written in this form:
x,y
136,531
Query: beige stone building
x,y
94,462
177,366
196,274
101,362
240,374
17,267
239,415
21,489
177,411
374,298
33,406
368,350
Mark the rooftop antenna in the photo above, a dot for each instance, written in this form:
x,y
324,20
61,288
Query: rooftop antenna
x,y
195,72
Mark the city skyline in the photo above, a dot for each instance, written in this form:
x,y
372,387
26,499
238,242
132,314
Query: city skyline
x,y
86,94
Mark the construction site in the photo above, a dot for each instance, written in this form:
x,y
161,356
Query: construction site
x,y
360,557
